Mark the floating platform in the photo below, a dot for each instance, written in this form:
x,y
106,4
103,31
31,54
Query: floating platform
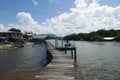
x,y
66,48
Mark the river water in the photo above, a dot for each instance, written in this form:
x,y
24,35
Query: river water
x,y
22,63
97,60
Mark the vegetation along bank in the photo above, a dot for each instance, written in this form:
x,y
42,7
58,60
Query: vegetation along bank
x,y
100,35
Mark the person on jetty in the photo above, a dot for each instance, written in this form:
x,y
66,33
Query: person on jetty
x,y
68,44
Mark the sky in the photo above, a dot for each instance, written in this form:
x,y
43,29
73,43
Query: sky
x,y
60,17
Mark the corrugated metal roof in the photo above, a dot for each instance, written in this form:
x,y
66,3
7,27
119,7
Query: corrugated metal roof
x,y
39,37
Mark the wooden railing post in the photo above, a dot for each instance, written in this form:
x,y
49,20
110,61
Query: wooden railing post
x,y
72,53
75,56
56,43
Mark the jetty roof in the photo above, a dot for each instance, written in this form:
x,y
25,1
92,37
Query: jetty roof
x,y
39,37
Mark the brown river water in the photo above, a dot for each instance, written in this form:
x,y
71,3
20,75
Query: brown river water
x,y
22,63
95,61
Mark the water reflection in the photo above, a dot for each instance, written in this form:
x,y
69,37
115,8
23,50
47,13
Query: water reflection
x,y
22,63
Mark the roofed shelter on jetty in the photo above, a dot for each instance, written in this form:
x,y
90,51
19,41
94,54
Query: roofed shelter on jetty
x,y
39,38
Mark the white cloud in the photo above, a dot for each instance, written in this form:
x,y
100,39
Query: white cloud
x,y
35,2
2,28
27,23
25,18
84,17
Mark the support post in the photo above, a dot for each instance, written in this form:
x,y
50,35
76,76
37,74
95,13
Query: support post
x,y
62,42
75,56
56,43
72,53
65,50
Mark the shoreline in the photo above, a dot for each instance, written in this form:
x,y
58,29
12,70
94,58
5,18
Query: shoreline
x,y
5,47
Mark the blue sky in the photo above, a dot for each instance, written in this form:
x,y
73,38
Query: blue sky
x,y
113,3
44,10
60,17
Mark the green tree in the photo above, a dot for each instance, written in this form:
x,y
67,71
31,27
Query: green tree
x,y
117,37
101,32
14,30
96,38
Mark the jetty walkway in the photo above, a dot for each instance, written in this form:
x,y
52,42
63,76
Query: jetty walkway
x,y
60,68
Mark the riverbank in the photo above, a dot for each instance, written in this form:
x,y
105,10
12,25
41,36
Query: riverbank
x,y
11,46
100,35
5,46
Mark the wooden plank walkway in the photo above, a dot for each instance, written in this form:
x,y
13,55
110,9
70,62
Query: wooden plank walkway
x,y
60,68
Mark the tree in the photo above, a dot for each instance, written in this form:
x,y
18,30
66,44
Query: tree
x,y
101,32
96,38
117,37
14,30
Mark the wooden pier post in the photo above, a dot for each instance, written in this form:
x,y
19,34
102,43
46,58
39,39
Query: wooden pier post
x,y
62,42
75,55
56,42
65,50
72,53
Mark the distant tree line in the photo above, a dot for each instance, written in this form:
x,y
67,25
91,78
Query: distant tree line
x,y
95,36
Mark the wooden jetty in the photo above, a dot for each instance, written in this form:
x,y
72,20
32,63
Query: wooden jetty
x,y
72,49
60,68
